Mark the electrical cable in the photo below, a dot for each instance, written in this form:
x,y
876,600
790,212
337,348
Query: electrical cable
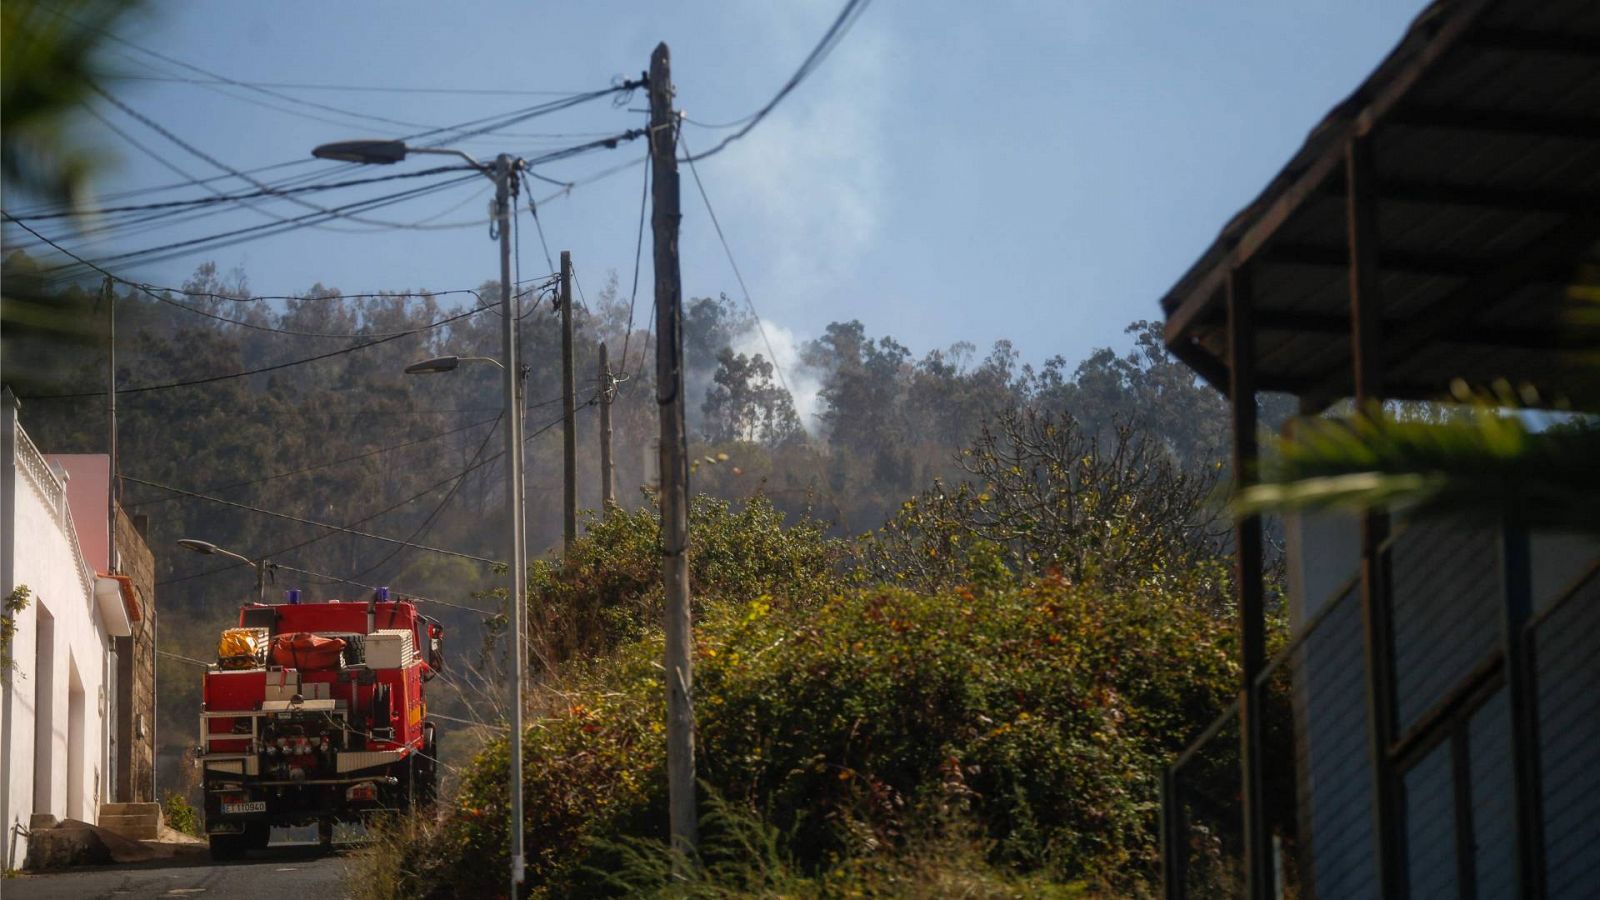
x,y
638,253
348,525
695,171
835,33
450,495
319,466
354,88
270,229
297,519
229,238
247,195
523,115
260,89
363,520
166,133
215,378
533,210
398,593
188,659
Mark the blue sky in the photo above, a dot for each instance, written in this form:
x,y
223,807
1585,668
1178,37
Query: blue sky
x,y
1038,171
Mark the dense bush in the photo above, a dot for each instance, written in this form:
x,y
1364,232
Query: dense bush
x,y
180,815
608,590
1040,714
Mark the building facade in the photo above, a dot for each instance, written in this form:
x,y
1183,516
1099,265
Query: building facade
x,y
1432,727
60,714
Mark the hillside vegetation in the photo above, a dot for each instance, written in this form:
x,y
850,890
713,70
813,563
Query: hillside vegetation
x,y
993,730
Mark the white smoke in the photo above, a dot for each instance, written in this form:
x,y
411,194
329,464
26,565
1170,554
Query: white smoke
x,y
804,383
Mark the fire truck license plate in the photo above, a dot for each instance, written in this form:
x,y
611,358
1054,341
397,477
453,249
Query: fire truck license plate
x,y
253,806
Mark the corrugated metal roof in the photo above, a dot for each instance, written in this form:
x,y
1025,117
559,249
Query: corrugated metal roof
x,y
1484,128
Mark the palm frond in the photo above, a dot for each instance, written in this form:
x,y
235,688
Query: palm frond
x,y
1486,461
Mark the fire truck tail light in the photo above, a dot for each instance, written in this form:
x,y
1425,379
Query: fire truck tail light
x,y
366,791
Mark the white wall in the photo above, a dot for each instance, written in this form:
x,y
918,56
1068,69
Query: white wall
x,y
41,551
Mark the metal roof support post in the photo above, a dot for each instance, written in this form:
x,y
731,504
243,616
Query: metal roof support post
x,y
1377,613
1174,841
1522,694
1248,585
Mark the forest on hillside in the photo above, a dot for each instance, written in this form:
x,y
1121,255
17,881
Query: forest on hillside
x,y
327,428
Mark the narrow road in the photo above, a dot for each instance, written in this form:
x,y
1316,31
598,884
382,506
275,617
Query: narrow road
x,y
293,870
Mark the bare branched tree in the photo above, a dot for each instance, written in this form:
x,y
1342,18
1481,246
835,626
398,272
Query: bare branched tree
x,y
1045,495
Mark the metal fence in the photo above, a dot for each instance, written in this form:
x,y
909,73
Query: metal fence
x,y
1452,761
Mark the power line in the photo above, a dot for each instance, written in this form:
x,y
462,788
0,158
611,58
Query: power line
x,y
533,210
505,120
228,238
249,86
355,88
281,331
166,133
695,171
638,252
278,515
450,495
361,521
215,378
188,659
399,594
835,33
268,229
351,526
323,465
247,195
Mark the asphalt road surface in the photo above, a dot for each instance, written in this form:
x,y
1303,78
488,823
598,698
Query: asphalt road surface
x,y
294,870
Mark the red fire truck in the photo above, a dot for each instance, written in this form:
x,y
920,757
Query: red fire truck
x,y
315,713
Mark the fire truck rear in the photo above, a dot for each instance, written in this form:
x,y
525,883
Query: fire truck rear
x,y
315,714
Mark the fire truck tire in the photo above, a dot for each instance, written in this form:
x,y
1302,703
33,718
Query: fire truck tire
x,y
226,847
325,832
427,772
257,835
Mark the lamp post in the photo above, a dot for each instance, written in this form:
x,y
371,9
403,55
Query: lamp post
x,y
260,565
440,364
500,172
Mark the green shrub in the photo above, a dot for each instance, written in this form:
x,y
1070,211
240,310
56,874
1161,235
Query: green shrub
x,y
608,589
1041,714
180,815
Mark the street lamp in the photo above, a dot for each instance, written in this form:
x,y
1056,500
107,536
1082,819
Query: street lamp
x,y
261,566
446,364
382,152
440,364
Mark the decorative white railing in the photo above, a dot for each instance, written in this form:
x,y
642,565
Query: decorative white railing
x,y
33,464
53,492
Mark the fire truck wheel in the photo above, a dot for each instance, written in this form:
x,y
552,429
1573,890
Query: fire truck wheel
x,y
325,832
427,772
257,835
226,847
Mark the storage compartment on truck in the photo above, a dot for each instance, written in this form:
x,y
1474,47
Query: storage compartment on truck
x,y
391,649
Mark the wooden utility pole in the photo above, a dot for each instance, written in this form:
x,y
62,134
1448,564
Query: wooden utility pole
x,y
608,390
569,413
674,454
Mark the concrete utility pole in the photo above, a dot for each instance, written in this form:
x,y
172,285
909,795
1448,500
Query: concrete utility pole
x,y
674,454
504,170
608,390
109,292
569,413
504,174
